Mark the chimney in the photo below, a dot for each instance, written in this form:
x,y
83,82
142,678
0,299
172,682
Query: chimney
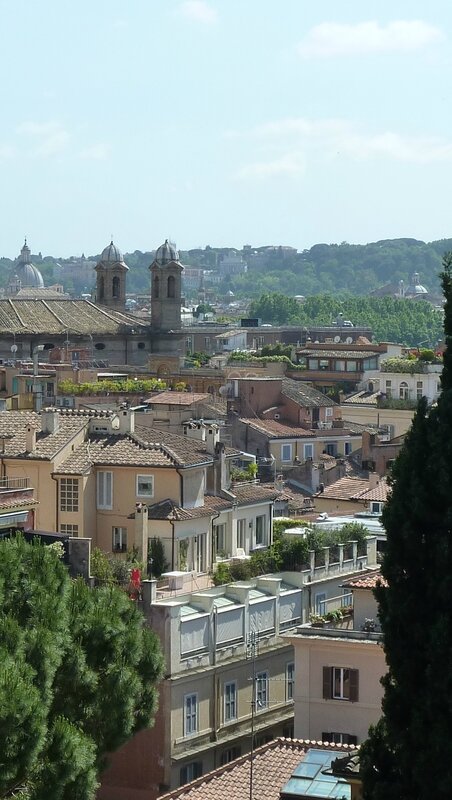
x,y
220,468
212,438
126,420
141,530
30,439
50,420
374,480
195,430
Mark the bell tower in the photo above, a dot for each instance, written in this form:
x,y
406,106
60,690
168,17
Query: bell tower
x,y
111,273
166,289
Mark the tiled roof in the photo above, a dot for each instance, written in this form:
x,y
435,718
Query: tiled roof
x,y
362,398
367,581
226,334
345,488
250,493
378,493
273,765
167,509
177,398
59,316
275,429
20,503
13,425
356,354
304,394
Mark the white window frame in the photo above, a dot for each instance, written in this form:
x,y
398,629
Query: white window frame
x,y
145,478
263,533
290,680
119,539
308,449
320,603
261,691
241,533
289,447
419,390
376,507
191,716
220,537
230,701
404,390
340,672
69,495
328,411
104,502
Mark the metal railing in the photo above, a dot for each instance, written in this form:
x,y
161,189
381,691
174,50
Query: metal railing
x,y
8,484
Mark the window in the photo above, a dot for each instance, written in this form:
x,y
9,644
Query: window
x,y
119,536
347,448
308,451
99,346
190,714
331,449
339,366
230,701
69,494
145,485
388,389
320,603
105,490
241,533
419,390
290,680
231,754
286,452
347,598
324,363
339,738
376,508
340,683
220,538
101,288
351,366
69,530
116,287
261,537
403,390
261,690
171,286
329,411
190,772
156,287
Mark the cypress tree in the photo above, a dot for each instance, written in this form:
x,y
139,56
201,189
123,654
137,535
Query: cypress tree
x,y
408,754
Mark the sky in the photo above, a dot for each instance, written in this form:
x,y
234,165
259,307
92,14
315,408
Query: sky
x,y
223,122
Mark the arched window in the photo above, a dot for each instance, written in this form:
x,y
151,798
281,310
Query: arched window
x,y
156,287
116,287
403,390
101,288
171,286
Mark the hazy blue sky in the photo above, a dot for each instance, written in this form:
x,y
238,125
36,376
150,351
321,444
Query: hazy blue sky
x,y
223,122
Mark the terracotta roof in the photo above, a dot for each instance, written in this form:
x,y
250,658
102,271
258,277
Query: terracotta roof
x,y
362,398
275,429
167,509
367,581
19,503
13,425
304,394
177,398
59,316
378,493
341,354
273,765
345,488
250,493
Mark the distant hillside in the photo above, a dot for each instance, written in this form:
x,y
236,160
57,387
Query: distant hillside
x,y
324,268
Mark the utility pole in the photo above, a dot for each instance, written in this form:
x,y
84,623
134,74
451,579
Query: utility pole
x,y
252,649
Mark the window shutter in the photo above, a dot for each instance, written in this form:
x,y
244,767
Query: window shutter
x,y
327,683
326,737
354,685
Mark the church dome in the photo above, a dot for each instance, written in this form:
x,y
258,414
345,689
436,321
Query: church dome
x,y
112,254
166,253
25,272
415,287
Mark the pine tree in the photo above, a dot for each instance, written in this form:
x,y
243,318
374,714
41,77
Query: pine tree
x,y
408,754
78,674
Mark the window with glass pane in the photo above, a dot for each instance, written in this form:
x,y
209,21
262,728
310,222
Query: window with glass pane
x,y
261,690
403,391
320,603
308,451
191,714
69,494
230,701
341,683
119,536
290,681
286,452
69,530
261,530
419,390
220,537
145,485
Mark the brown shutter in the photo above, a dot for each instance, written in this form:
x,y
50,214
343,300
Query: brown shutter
x,y
354,685
327,678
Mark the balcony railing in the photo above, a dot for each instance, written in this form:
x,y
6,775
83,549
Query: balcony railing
x,y
14,484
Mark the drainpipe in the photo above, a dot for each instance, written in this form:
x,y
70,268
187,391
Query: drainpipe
x,y
212,535
57,502
172,543
181,487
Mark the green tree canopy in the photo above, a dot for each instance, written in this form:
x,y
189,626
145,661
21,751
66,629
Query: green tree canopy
x,y
78,675
409,753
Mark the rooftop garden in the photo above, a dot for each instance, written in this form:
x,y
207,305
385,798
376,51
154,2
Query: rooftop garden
x,y
413,363
90,388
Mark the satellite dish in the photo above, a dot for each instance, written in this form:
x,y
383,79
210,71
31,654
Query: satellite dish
x,y
337,339
14,348
348,340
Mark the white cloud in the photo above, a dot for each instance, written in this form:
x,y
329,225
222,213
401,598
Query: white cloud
x,y
96,152
289,145
48,139
198,11
7,152
332,39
